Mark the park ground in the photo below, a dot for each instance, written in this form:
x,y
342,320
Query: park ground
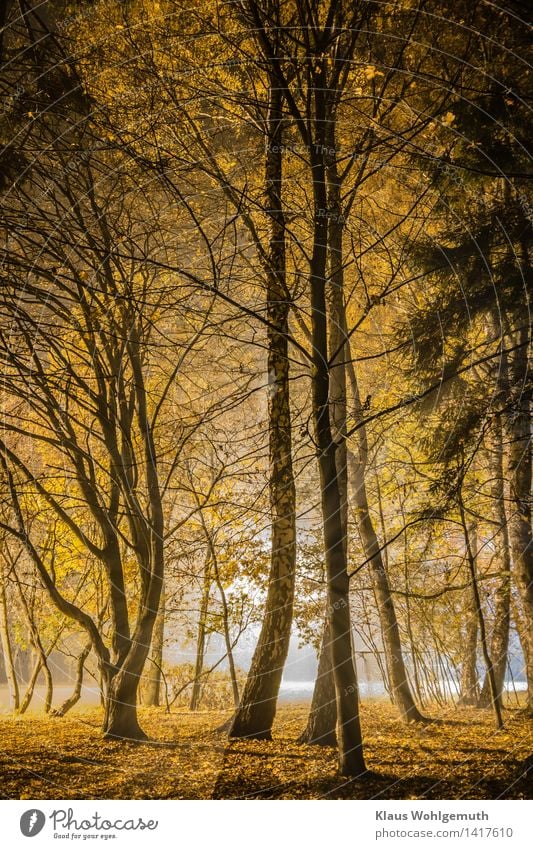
x,y
458,756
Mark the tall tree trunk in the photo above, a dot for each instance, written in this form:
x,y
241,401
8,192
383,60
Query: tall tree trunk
x,y
519,458
396,671
502,606
30,687
122,674
227,634
121,681
152,694
408,617
120,709
200,639
519,622
468,686
255,714
471,546
38,647
351,760
7,651
122,678
49,694
340,360
322,720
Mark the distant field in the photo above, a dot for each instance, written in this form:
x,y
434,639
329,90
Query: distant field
x,y
291,691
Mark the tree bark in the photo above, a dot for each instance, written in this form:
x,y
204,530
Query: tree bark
x,y
340,360
30,688
471,559
39,649
502,606
322,721
255,715
321,724
520,625
200,639
73,699
122,677
408,618
152,694
227,634
120,709
122,681
351,760
468,687
396,671
9,665
49,685
519,459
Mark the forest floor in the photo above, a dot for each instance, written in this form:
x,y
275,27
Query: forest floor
x,y
458,756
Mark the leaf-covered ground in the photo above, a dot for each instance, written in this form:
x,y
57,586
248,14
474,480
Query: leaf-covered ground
x,y
460,755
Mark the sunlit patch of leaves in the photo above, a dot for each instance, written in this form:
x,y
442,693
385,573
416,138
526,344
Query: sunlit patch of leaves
x,y
459,755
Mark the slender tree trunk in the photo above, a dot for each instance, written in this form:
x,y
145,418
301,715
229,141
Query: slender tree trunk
x,y
231,665
351,760
38,648
520,625
502,606
9,665
340,361
322,720
468,687
30,687
227,638
396,671
408,617
346,689
471,559
122,678
200,640
152,694
49,685
519,459
78,683
255,714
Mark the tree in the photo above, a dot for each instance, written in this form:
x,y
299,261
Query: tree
x,y
204,162
73,347
256,711
7,650
318,89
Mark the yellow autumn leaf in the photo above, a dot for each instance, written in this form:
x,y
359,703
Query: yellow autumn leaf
x,y
371,72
